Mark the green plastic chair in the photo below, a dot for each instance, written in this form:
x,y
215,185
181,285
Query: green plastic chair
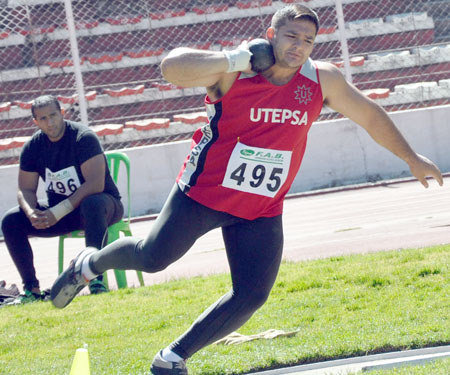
x,y
114,160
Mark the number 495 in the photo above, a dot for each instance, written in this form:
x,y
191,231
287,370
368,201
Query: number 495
x,y
257,176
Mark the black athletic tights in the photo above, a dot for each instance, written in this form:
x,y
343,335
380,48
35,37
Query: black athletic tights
x,y
254,250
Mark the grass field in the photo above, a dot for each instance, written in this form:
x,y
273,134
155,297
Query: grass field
x,y
342,307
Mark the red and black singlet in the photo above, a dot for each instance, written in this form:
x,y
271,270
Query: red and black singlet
x,y
245,159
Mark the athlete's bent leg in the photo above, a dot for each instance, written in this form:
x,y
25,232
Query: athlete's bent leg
x,y
98,212
15,228
254,250
181,222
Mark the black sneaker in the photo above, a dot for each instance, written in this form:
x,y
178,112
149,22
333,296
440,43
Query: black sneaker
x,y
26,297
96,286
45,294
162,367
71,281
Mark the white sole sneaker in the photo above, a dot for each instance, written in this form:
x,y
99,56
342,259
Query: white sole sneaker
x,y
163,367
70,282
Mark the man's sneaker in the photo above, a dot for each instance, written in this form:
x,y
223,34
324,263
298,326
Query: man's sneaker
x,y
162,367
45,294
96,286
26,297
71,281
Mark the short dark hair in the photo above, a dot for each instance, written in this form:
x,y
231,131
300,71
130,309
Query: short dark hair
x,y
44,101
294,12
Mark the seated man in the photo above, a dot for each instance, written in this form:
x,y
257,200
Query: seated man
x,y
80,191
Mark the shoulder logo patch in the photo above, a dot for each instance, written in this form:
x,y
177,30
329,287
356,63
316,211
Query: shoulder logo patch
x,y
303,94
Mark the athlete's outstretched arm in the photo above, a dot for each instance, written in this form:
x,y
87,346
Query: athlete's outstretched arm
x,y
345,98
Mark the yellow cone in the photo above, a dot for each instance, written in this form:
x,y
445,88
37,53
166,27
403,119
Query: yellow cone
x,y
80,364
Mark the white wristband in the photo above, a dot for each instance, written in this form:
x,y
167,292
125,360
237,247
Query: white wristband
x,y
238,59
61,209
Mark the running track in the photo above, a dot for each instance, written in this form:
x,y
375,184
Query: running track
x,y
355,219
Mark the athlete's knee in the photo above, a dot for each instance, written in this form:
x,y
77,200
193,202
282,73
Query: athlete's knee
x,y
11,222
257,299
153,265
92,205
252,300
151,261
6,223
93,211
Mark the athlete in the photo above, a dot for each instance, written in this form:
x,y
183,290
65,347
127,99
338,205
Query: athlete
x,y
80,192
240,167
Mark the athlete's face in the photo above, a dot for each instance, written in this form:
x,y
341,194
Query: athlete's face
x,y
293,42
50,120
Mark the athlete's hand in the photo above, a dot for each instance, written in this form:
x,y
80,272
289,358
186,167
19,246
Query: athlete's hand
x,y
244,47
422,167
38,219
41,219
239,58
51,220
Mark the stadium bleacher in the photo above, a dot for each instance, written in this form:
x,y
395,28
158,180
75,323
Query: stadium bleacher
x,y
397,50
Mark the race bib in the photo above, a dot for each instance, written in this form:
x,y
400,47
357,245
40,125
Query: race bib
x,y
64,182
257,170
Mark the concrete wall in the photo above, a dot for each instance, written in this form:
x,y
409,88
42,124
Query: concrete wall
x,y
338,153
